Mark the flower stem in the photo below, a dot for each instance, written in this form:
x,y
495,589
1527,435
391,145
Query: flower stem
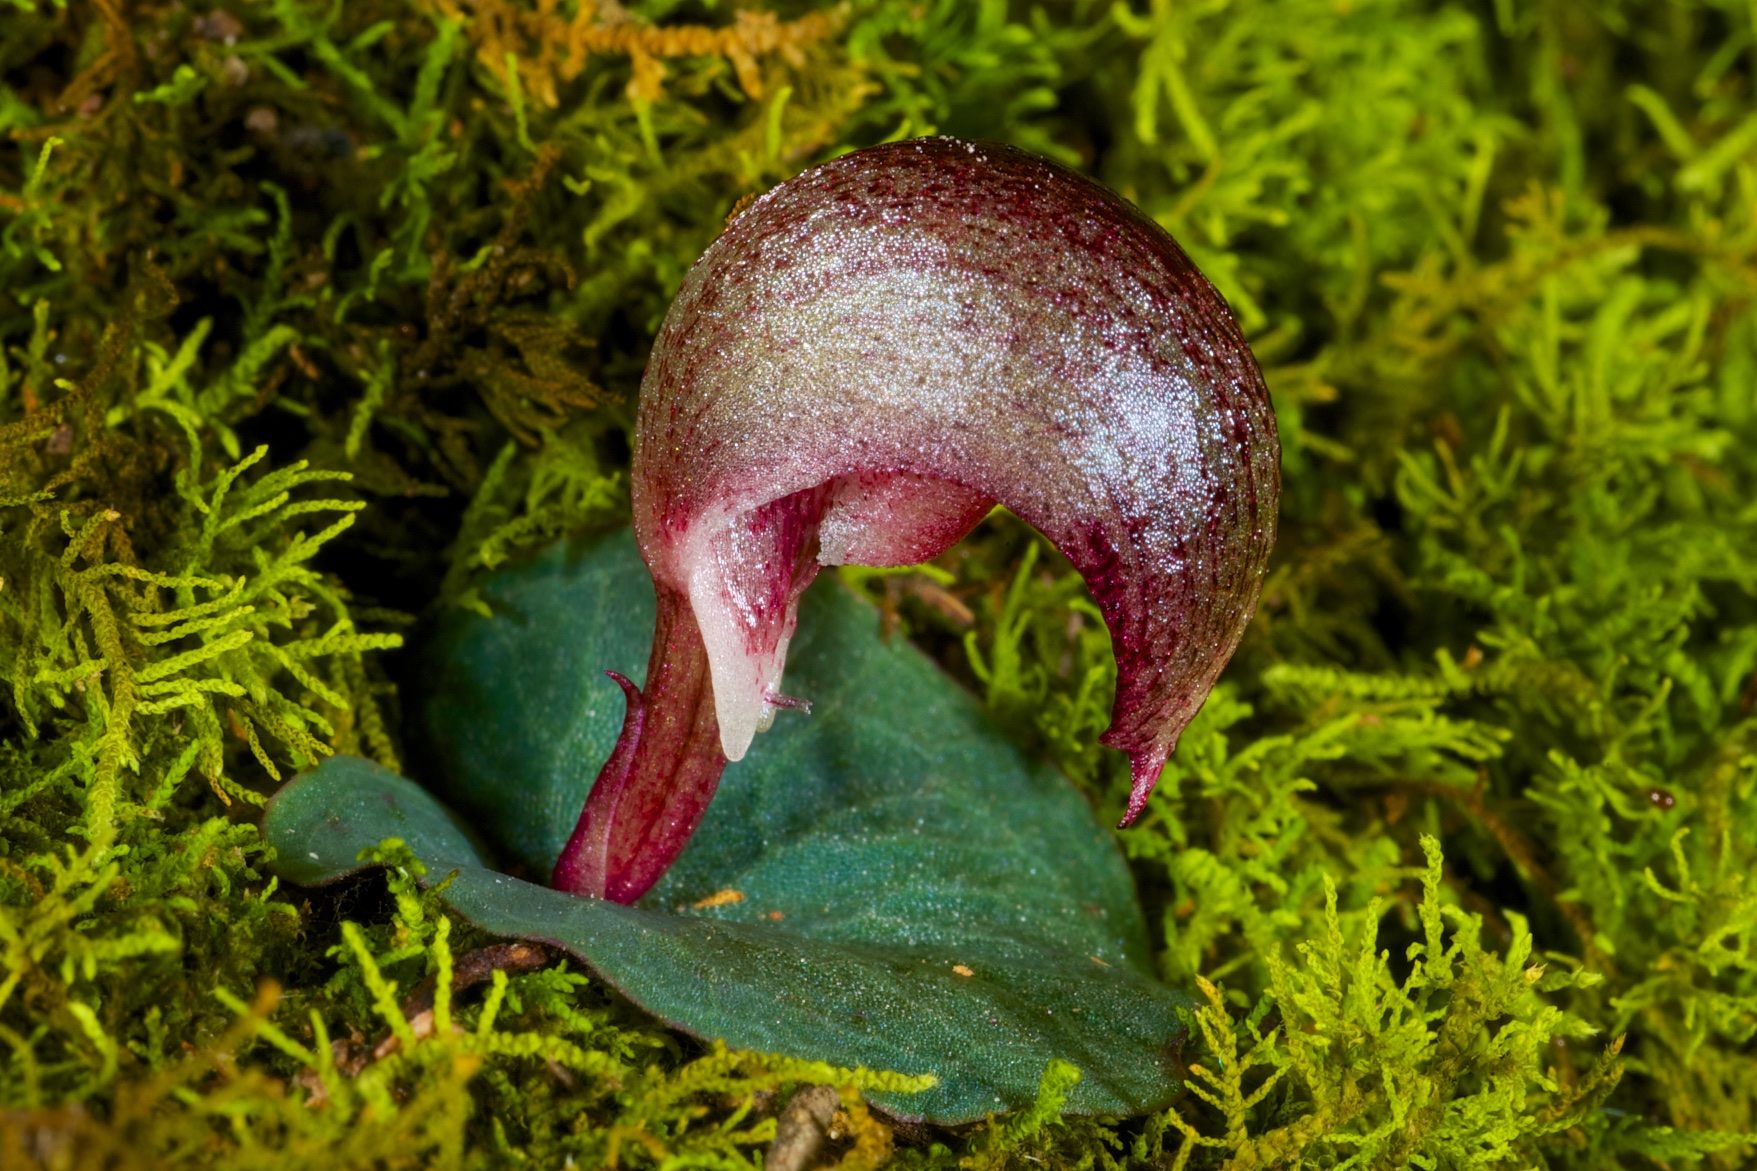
x,y
652,792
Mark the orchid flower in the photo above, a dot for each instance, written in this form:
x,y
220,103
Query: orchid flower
x,y
868,359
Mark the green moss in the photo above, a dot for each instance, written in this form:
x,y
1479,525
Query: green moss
x,y
311,313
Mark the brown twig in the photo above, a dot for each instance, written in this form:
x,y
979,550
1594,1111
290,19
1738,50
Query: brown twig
x,y
802,1128
470,969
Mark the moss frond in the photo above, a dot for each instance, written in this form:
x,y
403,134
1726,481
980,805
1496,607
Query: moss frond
x,y
312,314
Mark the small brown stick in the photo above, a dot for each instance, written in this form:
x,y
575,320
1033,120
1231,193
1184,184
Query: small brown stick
x,y
800,1131
471,968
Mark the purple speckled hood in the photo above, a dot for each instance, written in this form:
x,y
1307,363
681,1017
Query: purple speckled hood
x,y
870,357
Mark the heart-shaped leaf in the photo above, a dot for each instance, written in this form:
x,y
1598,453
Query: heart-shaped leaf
x,y
884,883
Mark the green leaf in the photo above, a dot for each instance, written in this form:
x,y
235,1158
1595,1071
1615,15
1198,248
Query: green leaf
x,y
881,848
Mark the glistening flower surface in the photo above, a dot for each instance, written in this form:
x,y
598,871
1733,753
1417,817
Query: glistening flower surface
x,y
869,358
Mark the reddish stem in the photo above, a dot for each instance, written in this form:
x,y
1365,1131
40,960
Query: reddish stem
x,y
652,792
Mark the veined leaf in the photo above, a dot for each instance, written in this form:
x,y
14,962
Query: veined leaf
x,y
884,883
